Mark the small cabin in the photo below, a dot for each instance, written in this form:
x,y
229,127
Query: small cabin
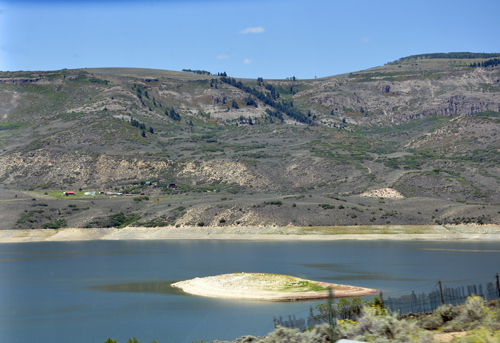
x,y
147,183
69,193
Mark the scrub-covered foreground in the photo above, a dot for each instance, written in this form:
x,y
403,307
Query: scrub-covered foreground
x,y
475,321
481,320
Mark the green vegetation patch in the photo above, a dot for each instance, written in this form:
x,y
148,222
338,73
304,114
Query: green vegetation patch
x,y
57,224
118,220
11,126
488,114
285,283
302,286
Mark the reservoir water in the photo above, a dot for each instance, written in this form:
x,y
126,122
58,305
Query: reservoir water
x,y
89,291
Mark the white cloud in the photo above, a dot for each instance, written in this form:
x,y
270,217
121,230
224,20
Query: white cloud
x,y
247,61
365,39
223,57
258,29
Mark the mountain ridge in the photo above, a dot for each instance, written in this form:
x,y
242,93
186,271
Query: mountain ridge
x,y
429,129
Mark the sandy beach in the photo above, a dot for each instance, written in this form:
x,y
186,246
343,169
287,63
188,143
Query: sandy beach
x,y
259,233
266,287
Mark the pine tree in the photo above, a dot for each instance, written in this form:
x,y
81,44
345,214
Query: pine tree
x,y
172,114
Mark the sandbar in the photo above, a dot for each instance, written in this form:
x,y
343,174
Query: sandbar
x,y
267,287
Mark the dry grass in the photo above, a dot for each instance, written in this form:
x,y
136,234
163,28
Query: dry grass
x,y
370,229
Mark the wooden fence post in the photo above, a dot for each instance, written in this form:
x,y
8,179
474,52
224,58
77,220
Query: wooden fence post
x,y
312,316
441,291
382,299
275,324
498,287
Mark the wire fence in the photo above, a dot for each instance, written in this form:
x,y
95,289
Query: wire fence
x,y
301,323
412,303
424,303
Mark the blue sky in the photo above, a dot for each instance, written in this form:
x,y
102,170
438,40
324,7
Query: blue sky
x,y
246,38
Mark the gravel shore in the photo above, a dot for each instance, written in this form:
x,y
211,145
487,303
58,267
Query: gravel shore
x,y
395,232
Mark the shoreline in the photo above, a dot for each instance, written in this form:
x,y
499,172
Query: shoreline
x,y
259,233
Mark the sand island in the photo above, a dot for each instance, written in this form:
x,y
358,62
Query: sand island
x,y
267,287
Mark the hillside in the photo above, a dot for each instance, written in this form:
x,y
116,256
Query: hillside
x,y
415,141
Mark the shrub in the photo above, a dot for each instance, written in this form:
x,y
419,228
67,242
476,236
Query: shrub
x,y
439,317
200,223
141,198
328,207
273,202
58,223
372,327
472,314
222,220
120,220
320,334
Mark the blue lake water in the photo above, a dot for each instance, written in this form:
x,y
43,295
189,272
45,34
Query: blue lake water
x,y
89,291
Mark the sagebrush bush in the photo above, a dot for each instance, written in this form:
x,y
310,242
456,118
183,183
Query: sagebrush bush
x,y
320,334
439,317
375,327
472,315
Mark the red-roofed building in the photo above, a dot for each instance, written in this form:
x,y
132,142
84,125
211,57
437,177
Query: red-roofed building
x,y
69,193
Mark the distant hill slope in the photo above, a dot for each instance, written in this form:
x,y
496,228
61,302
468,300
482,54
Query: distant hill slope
x,y
428,128
450,55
